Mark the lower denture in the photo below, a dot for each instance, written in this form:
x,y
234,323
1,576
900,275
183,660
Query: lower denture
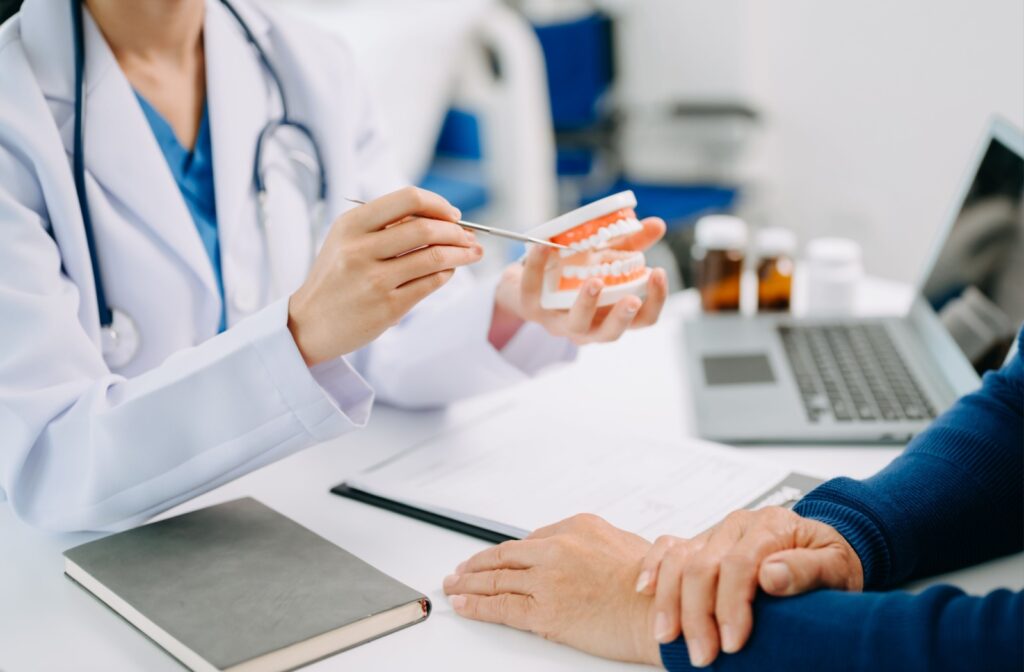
x,y
565,283
599,258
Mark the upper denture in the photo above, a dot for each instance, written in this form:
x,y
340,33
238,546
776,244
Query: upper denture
x,y
598,233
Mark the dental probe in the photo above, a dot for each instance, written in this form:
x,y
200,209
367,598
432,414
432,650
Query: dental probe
x,y
502,233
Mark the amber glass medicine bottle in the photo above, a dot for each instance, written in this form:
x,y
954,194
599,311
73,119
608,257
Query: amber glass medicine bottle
x,y
719,249
776,248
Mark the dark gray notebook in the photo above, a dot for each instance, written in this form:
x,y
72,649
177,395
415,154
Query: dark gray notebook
x,y
240,587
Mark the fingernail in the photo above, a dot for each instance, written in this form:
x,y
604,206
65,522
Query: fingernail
x,y
643,581
730,639
478,249
594,289
632,307
456,214
661,632
470,236
777,576
457,602
698,652
461,569
450,581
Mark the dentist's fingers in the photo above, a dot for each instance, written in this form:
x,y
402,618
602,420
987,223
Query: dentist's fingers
x,y
532,281
431,260
419,232
581,315
657,293
380,212
617,321
653,231
411,293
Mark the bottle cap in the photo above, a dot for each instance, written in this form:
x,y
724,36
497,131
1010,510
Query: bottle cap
x,y
721,232
776,241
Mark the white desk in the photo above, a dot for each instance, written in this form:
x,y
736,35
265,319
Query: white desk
x,y
48,623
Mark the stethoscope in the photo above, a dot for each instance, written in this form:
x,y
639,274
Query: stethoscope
x,y
119,334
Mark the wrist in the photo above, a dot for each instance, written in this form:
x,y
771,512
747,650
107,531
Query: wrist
x,y
298,325
505,318
641,621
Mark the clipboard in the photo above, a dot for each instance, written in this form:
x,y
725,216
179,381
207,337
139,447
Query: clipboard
x,y
482,533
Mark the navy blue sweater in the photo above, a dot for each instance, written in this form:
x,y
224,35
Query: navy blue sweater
x,y
954,498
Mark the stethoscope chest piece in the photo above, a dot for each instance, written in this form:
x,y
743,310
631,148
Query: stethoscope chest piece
x,y
120,340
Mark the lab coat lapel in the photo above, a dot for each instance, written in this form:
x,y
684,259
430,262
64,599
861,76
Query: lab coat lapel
x,y
121,152
238,98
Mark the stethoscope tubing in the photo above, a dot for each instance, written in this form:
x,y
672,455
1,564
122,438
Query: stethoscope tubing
x,y
103,309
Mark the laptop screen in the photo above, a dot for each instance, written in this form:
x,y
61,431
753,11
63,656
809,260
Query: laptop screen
x,y
977,283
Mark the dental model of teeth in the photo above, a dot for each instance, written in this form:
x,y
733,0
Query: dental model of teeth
x,y
599,237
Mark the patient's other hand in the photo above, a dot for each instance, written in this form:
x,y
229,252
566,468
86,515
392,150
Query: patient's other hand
x,y
704,587
572,582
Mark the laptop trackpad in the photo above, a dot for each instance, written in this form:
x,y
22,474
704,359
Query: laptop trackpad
x,y
737,370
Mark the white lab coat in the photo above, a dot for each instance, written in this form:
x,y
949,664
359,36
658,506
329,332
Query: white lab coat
x,y
85,447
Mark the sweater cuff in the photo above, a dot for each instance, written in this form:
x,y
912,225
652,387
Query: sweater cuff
x,y
826,505
675,657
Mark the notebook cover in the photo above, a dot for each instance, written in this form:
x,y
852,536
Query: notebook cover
x,y
238,580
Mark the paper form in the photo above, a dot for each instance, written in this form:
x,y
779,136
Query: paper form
x,y
513,474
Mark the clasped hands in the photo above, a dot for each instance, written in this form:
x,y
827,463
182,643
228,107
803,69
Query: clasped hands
x,y
588,584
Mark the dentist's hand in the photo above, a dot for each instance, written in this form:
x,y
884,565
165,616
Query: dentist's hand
x,y
518,299
704,586
377,262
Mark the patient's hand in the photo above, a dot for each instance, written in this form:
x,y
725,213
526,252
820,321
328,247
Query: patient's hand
x,y
705,586
572,582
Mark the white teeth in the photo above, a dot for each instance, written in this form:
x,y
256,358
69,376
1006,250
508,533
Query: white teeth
x,y
617,267
606,269
603,234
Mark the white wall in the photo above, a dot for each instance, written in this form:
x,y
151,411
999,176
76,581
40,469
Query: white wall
x,y
873,110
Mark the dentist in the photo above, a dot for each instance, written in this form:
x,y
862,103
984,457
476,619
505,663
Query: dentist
x,y
175,310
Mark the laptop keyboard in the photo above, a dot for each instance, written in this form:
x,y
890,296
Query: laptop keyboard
x,y
852,373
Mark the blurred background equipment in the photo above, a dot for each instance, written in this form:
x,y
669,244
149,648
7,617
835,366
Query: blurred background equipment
x,y
829,119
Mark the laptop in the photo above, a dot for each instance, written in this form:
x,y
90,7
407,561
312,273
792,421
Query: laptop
x,y
779,378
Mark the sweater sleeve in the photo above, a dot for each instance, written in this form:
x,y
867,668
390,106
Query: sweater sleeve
x,y
954,498
940,629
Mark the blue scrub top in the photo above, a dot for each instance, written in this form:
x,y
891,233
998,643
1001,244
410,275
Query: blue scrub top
x,y
193,171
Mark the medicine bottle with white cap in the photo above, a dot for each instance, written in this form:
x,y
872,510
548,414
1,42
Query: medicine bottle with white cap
x,y
834,270
720,244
